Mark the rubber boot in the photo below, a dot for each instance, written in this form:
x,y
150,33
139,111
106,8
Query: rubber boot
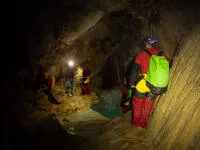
x,y
69,92
137,110
146,111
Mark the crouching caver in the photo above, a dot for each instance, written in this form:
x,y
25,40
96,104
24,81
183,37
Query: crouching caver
x,y
149,77
125,102
86,78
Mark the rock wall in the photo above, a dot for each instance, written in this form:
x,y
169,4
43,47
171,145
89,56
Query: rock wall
x,y
101,39
175,121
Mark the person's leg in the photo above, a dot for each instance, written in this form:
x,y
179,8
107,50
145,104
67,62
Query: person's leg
x,y
72,87
147,109
137,103
66,87
84,88
87,88
137,110
69,88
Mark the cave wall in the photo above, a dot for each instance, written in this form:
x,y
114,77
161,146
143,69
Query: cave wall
x,y
108,46
103,34
99,31
175,121
98,39
102,30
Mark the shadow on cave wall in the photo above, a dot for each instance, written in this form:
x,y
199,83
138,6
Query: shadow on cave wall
x,y
109,74
126,30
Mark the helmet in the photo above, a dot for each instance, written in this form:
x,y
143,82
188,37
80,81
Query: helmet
x,y
151,39
71,63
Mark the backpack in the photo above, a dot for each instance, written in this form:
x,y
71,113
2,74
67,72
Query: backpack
x,y
158,73
132,72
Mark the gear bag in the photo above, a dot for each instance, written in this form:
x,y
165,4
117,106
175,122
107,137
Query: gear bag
x,y
158,73
133,71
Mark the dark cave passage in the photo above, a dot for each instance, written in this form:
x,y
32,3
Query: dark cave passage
x,y
107,35
109,74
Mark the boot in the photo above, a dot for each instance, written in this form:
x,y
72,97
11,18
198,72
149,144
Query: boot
x,y
69,92
146,111
137,110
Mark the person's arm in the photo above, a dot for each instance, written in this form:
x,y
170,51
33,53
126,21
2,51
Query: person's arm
x,y
134,70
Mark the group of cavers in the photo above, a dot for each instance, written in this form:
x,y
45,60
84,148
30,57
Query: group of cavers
x,y
145,81
49,81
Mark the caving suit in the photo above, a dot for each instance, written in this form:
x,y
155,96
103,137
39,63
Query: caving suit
x,y
86,80
143,99
69,81
126,97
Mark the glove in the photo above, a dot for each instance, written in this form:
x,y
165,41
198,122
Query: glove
x,y
127,102
131,84
87,80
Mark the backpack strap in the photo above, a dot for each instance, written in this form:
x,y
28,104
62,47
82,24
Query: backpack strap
x,y
160,53
147,52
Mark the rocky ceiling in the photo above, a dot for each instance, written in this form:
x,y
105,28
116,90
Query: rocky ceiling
x,y
100,31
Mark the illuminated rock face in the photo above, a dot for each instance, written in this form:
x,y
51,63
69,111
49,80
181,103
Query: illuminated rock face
x,y
175,122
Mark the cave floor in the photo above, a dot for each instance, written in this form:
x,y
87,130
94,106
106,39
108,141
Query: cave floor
x,y
100,126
